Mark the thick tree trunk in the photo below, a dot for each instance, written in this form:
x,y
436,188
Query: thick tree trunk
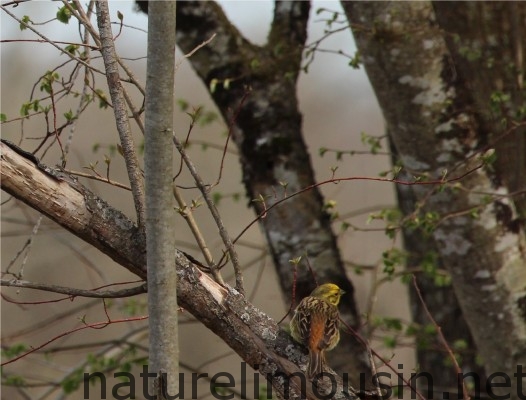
x,y
437,128
440,300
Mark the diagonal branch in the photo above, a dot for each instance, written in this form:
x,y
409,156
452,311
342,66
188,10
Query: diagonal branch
x,y
65,201
205,190
120,110
251,333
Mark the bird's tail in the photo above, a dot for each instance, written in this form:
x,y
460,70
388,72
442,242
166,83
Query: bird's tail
x,y
316,361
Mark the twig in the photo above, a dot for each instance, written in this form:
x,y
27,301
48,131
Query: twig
x,y
200,46
84,19
119,108
98,178
386,363
135,113
95,325
373,369
101,294
188,216
14,3
45,41
354,178
82,103
293,300
215,214
230,128
27,248
442,339
48,322
2,7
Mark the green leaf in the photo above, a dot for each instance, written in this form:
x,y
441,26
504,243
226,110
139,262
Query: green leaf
x,y
120,16
46,82
64,15
24,110
3,117
72,382
390,342
460,344
183,104
14,350
355,61
216,197
393,323
391,259
25,21
69,115
206,118
13,380
255,63
103,100
71,48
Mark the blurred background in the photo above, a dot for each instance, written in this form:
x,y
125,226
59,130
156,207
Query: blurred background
x,y
338,105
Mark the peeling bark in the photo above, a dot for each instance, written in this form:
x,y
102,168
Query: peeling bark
x,y
251,333
64,200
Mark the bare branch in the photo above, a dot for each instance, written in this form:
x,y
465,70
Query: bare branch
x,y
51,42
98,178
119,108
188,216
205,190
101,294
446,345
61,198
251,333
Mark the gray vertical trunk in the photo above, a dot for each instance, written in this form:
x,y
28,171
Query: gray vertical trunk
x,y
160,217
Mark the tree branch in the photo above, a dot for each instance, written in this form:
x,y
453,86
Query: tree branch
x,y
101,294
119,108
251,333
60,197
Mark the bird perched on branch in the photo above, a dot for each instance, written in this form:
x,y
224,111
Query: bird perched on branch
x,y
316,324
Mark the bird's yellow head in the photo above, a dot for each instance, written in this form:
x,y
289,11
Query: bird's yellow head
x,y
328,292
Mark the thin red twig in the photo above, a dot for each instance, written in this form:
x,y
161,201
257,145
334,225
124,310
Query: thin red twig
x,y
442,339
95,325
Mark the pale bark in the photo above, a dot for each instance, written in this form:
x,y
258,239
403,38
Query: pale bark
x,y
436,126
160,213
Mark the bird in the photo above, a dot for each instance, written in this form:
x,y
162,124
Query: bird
x,y
316,324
